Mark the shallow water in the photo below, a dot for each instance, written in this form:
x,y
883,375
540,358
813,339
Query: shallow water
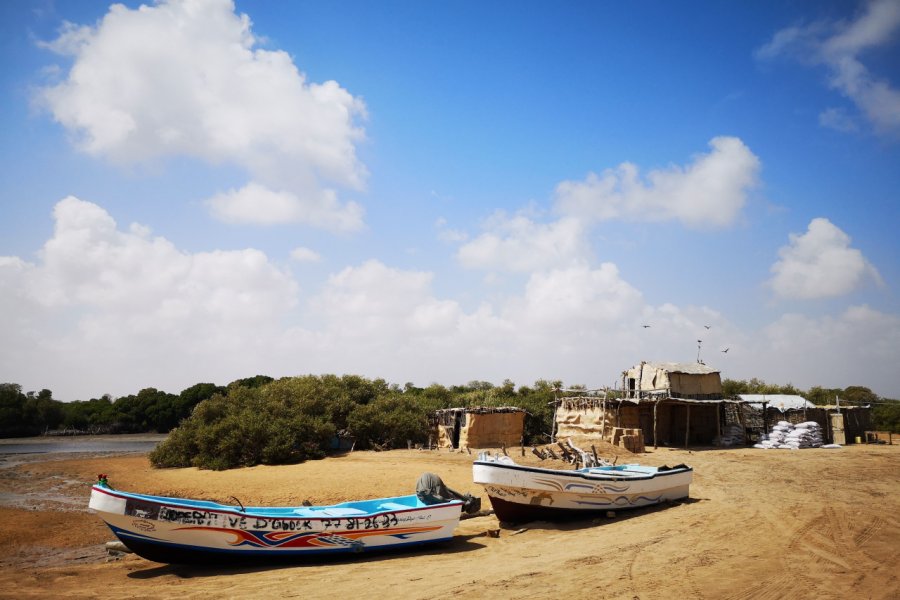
x,y
78,444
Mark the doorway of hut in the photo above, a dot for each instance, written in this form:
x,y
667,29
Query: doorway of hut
x,y
457,427
646,423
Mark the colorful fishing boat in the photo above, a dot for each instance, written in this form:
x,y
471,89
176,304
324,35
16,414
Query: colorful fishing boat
x,y
177,530
519,493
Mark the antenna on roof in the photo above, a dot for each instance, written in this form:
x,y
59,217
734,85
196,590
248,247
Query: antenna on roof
x,y
699,343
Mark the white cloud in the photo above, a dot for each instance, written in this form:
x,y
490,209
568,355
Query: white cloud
x,y
518,243
186,78
148,283
107,308
837,119
376,301
255,203
859,345
708,192
839,46
446,234
820,263
575,299
301,254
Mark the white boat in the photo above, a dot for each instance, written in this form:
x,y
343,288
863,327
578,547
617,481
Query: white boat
x,y
176,530
519,493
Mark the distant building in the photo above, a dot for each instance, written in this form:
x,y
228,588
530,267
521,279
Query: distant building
x,y
670,404
478,427
694,381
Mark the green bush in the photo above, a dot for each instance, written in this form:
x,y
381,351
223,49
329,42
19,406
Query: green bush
x,y
886,416
246,428
389,422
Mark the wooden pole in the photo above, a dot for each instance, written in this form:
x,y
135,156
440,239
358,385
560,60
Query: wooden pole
x,y
603,421
687,426
655,404
719,421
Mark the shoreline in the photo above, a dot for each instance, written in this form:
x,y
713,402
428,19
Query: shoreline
x,y
75,439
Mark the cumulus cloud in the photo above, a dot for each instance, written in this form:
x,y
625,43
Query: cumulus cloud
x,y
518,243
840,46
820,263
814,351
110,306
301,254
578,298
377,301
708,192
146,283
187,78
255,203
839,120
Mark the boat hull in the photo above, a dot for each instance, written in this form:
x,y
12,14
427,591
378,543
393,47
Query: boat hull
x,y
520,493
173,530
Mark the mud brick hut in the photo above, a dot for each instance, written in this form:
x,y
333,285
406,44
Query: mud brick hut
x,y
478,427
668,404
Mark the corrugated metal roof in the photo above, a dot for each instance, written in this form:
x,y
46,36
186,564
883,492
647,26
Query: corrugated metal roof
x,y
782,402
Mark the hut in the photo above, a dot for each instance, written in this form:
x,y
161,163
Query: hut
x,y
690,381
683,404
665,403
840,424
766,410
478,427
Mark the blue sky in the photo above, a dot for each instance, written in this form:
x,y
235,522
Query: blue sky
x,y
445,192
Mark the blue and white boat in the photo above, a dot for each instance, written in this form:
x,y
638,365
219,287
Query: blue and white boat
x,y
519,493
177,530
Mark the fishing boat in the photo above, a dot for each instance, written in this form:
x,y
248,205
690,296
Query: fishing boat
x,y
519,493
177,530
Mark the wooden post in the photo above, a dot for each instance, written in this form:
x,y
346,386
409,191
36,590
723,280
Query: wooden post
x,y
655,404
687,426
719,421
556,402
603,421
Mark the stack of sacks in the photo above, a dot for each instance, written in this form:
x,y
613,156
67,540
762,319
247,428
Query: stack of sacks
x,y
776,438
786,436
732,436
805,435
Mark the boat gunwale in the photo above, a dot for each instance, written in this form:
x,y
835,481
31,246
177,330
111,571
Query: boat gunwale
x,y
583,475
189,503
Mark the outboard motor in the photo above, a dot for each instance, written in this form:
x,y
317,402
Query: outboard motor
x,y
430,489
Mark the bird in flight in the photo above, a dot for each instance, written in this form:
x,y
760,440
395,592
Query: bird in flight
x,y
645,326
707,326
726,350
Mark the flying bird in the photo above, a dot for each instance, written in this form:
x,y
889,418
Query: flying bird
x,y
707,326
645,326
726,350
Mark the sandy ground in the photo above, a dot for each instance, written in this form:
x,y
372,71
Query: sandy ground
x,y
768,524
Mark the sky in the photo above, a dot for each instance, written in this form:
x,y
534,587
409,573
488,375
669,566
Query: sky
x,y
444,192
